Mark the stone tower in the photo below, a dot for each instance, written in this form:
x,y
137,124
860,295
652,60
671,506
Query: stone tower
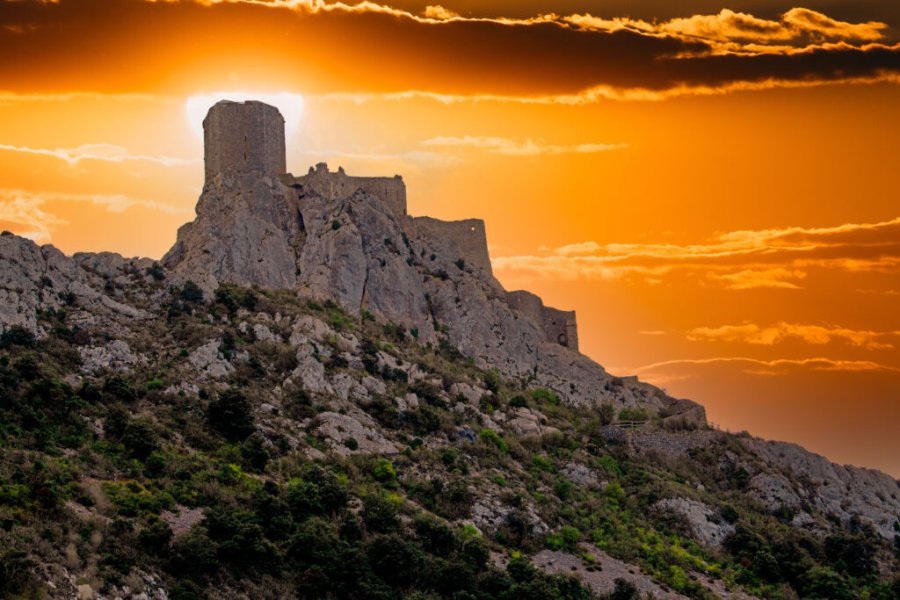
x,y
244,137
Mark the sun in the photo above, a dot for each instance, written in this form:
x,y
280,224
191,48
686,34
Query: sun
x,y
290,104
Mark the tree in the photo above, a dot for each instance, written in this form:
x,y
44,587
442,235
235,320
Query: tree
x,y
230,415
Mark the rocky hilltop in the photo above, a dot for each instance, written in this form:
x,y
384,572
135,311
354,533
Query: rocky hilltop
x,y
312,378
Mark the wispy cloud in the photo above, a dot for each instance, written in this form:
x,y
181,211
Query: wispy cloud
x,y
743,30
9,97
598,93
779,258
102,152
796,24
26,210
766,278
518,147
751,333
775,366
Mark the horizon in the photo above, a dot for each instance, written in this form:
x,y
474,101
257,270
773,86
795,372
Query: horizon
x,y
732,241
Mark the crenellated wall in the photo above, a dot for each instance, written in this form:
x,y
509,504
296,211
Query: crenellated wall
x,y
469,237
334,185
559,326
243,137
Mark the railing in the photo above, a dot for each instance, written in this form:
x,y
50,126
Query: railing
x,y
630,425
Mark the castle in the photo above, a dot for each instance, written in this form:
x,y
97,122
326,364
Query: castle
x,y
248,137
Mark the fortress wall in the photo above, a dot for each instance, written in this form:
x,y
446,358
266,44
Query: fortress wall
x,y
528,303
335,185
391,191
469,235
560,327
244,137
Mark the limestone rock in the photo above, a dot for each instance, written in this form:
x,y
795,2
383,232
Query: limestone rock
x,y
116,355
338,429
834,489
209,361
705,521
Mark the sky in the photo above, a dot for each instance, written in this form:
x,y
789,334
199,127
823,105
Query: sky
x,y
711,186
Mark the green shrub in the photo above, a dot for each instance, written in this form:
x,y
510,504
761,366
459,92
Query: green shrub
x,y
491,437
518,402
230,415
384,471
606,413
140,439
16,335
545,395
191,292
633,414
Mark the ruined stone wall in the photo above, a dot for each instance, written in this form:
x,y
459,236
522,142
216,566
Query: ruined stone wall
x,y
559,326
244,137
335,185
528,303
468,236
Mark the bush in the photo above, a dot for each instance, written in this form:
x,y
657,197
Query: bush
x,y
379,514
384,471
120,387
230,415
317,492
518,402
606,413
633,414
16,336
140,439
156,272
545,395
394,560
191,292
491,437
624,590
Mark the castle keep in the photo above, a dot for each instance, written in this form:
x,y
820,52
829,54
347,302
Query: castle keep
x,y
243,137
248,137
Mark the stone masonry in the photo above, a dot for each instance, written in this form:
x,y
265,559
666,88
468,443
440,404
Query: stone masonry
x,y
244,137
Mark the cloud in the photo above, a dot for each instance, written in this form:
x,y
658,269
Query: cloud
x,y
797,27
26,209
768,278
823,26
376,49
751,333
775,366
102,152
440,13
518,147
776,258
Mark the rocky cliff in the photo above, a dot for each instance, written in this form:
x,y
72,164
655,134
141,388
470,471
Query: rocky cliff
x,y
357,251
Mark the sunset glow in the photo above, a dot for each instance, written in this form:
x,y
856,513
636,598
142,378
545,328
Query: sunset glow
x,y
713,189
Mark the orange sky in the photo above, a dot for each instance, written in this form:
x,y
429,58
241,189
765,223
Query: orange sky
x,y
713,190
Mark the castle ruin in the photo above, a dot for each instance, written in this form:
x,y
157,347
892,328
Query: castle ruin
x,y
248,137
243,137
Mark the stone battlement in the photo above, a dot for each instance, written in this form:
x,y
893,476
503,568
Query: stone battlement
x,y
468,237
243,137
333,185
559,326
